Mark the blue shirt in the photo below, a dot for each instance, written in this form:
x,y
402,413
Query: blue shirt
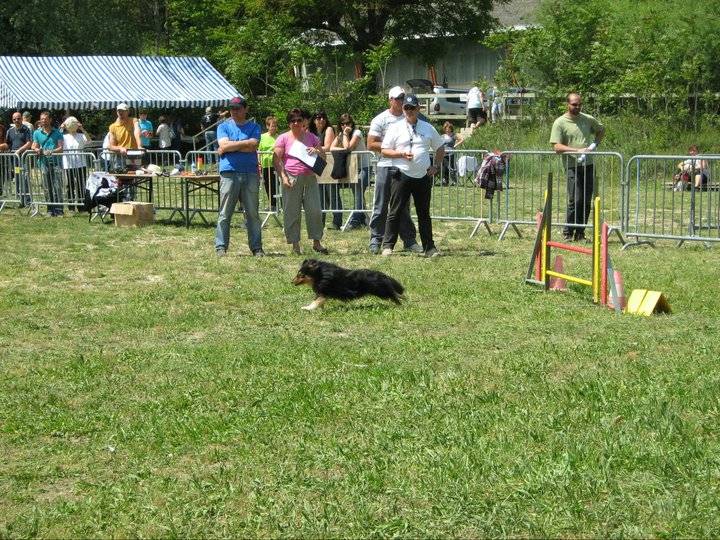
x,y
145,125
47,142
241,162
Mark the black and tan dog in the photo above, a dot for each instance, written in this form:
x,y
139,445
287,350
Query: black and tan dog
x,y
331,281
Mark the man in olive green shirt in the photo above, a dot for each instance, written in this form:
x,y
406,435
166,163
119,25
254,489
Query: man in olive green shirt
x,y
577,133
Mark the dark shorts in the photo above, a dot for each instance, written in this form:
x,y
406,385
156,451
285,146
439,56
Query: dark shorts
x,y
475,115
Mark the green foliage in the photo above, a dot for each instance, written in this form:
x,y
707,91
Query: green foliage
x,y
609,47
149,390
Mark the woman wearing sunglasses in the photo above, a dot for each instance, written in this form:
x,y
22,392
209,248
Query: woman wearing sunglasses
x,y
299,184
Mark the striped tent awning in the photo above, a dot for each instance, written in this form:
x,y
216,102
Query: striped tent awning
x,y
101,82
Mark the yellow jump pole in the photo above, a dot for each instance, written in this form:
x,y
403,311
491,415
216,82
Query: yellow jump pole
x,y
596,251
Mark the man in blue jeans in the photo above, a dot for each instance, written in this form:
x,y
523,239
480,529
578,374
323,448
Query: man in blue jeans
x,y
237,146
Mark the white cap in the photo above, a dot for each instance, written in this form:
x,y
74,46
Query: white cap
x,y
122,107
396,91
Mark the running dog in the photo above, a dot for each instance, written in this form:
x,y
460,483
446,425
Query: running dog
x,y
331,281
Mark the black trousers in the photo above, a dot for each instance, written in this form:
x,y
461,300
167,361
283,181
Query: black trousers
x,y
271,185
580,183
401,188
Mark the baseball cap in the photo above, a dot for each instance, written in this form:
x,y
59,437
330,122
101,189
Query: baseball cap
x,y
396,92
411,100
122,107
237,102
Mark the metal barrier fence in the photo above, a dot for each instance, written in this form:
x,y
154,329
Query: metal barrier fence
x,y
455,195
525,181
58,180
659,206
14,188
346,199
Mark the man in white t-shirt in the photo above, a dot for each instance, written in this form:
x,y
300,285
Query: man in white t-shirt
x,y
408,144
378,128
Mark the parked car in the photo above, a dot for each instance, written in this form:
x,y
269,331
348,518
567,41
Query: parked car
x,y
448,105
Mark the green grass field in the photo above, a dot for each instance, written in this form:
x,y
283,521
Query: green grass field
x,y
149,389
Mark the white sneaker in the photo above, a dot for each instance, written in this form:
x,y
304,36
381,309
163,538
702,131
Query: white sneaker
x,y
432,252
415,248
386,252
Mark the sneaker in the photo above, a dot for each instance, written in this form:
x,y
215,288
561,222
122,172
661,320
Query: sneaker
x,y
258,253
386,252
374,249
220,252
432,252
580,237
415,248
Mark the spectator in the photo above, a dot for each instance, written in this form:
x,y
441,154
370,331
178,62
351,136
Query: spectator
x,y
351,139
299,183
477,115
267,143
164,134
450,141
74,166
177,134
3,132
378,127
697,167
408,144
496,111
48,142
207,123
577,133
27,120
146,130
124,132
238,140
19,139
329,193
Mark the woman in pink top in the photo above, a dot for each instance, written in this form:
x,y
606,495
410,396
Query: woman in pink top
x,y
299,184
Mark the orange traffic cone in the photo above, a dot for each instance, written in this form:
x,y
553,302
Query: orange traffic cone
x,y
620,290
558,284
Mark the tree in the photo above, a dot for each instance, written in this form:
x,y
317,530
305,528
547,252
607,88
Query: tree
x,y
362,24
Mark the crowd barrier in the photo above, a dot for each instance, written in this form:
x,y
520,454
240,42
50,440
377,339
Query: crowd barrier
x,y
525,182
14,188
662,203
641,200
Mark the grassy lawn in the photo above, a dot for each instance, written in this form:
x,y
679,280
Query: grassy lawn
x,y
149,389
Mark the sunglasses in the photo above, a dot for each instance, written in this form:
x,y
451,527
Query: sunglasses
x,y
296,120
400,97
409,108
575,104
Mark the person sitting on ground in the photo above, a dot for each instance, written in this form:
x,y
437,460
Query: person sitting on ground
x,y
698,167
351,139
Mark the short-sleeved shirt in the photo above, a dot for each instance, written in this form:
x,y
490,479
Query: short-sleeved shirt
x,y
145,125
292,164
379,126
578,132
74,143
124,133
419,139
16,138
475,98
47,141
267,143
240,162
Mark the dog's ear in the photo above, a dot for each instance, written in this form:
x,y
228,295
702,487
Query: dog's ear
x,y
312,263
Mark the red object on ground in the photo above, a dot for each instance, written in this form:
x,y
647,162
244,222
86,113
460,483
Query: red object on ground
x,y
620,288
558,284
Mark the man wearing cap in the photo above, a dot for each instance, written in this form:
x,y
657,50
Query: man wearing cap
x,y
408,144
124,132
385,169
238,140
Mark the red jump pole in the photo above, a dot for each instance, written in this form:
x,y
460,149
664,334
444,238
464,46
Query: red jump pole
x,y
604,265
568,247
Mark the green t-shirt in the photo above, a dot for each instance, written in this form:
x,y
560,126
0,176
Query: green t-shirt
x,y
577,132
266,144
